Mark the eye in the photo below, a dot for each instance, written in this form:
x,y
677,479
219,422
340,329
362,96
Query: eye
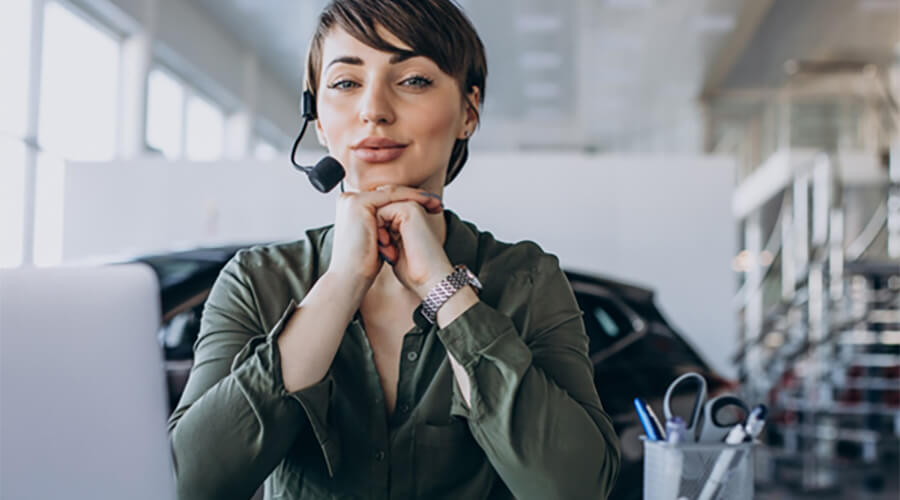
x,y
418,81
342,84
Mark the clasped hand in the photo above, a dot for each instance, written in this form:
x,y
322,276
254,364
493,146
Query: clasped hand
x,y
390,221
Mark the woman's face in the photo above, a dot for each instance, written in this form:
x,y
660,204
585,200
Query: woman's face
x,y
365,93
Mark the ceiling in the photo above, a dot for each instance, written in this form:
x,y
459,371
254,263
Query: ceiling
x,y
832,30
592,74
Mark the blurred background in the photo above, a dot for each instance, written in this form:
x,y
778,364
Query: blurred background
x,y
738,161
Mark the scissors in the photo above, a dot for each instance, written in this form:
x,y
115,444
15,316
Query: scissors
x,y
711,420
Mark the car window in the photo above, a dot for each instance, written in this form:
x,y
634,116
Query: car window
x,y
610,328
604,322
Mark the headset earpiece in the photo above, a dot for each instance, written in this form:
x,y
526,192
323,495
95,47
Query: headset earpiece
x,y
328,172
308,106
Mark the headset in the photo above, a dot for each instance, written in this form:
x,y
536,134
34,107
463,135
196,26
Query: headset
x,y
328,172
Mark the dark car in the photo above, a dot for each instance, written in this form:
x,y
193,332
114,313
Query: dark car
x,y
635,351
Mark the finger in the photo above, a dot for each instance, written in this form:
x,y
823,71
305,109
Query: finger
x,y
396,223
395,228
383,236
392,216
434,205
432,202
391,253
385,195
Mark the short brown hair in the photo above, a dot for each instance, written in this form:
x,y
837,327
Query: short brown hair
x,y
436,29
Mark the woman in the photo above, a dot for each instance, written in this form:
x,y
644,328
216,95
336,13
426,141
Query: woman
x,y
484,395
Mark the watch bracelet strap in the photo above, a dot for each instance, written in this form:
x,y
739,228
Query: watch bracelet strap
x,y
442,292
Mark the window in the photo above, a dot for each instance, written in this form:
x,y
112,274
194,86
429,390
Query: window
x,y
15,32
181,122
79,89
205,133
165,113
79,83
606,322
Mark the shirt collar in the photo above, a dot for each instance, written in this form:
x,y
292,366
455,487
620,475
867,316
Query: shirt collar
x,y
460,245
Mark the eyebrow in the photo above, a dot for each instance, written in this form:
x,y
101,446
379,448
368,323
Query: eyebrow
x,y
356,61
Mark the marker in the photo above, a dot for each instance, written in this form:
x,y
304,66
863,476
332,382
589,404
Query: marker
x,y
675,430
755,422
646,421
736,435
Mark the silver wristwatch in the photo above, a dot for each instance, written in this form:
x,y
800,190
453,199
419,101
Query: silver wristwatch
x,y
441,293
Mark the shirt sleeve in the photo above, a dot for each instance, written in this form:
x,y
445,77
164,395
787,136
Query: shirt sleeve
x,y
534,407
235,421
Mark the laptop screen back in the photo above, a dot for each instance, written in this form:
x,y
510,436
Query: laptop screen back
x,y
83,402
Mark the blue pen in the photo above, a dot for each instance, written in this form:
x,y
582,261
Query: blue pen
x,y
646,421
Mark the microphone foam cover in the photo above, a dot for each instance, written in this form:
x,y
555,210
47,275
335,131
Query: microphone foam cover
x,y
326,174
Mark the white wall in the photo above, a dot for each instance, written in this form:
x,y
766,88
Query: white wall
x,y
663,221
148,205
660,221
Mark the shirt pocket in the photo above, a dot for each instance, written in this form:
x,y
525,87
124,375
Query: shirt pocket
x,y
447,459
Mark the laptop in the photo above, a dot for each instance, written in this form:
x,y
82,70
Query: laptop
x,y
83,403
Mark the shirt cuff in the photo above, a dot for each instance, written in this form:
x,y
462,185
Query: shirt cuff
x,y
473,331
458,406
315,399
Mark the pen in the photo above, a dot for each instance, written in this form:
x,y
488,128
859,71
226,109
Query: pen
x,y
660,431
646,421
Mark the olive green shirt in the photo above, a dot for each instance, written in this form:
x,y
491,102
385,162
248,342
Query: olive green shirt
x,y
535,428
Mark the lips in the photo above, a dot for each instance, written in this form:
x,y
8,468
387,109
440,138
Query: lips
x,y
378,149
379,155
374,142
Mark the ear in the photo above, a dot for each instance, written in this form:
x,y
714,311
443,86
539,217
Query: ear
x,y
471,104
320,134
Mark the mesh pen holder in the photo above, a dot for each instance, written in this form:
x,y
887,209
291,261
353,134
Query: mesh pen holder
x,y
697,471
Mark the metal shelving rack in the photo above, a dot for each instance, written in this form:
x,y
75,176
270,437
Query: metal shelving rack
x,y
819,301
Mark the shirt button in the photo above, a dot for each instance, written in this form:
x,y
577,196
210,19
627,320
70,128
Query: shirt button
x,y
412,356
379,455
404,408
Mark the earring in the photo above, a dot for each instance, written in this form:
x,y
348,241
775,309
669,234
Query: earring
x,y
466,134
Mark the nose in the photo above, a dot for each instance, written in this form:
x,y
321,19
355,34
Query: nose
x,y
375,106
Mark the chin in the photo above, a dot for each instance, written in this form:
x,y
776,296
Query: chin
x,y
372,179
